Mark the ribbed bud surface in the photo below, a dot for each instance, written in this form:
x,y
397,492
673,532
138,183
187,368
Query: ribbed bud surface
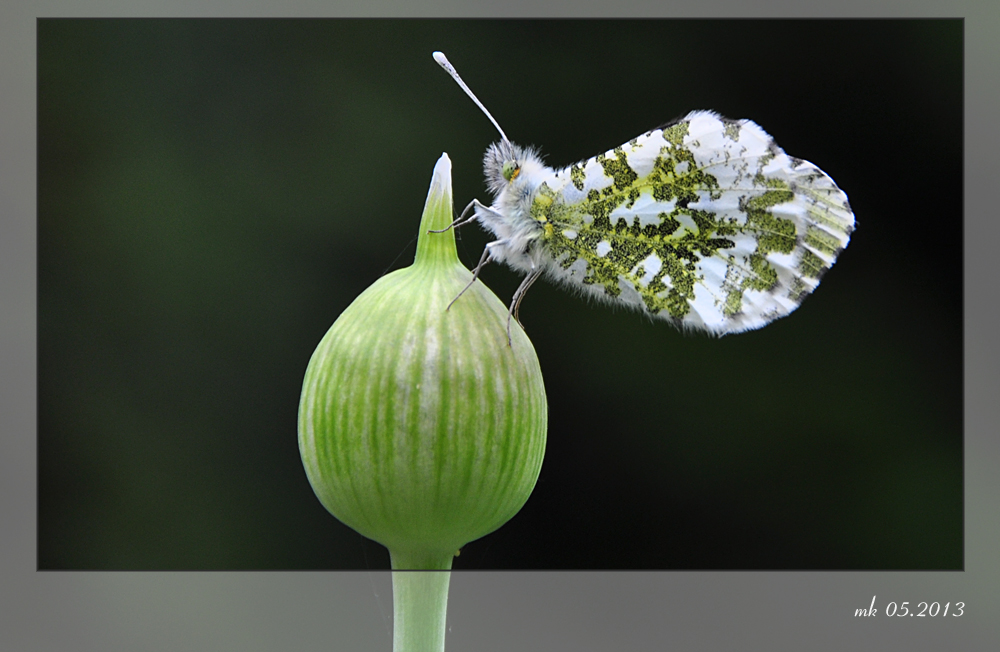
x,y
420,427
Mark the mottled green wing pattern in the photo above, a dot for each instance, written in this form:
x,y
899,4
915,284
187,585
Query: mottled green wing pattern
x,y
705,223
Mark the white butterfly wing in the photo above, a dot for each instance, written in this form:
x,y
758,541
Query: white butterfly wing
x,y
705,223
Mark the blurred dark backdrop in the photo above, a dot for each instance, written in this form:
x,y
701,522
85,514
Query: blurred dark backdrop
x,y
212,194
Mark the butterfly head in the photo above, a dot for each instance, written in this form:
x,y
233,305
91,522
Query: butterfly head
x,y
507,166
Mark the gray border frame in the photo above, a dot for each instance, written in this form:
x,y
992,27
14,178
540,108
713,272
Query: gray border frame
x,y
490,610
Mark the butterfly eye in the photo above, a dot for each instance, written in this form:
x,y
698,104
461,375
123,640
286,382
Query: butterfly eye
x,y
510,170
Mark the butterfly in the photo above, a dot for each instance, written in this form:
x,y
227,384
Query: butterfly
x,y
705,222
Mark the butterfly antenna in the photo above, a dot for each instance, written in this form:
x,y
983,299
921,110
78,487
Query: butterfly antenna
x,y
450,69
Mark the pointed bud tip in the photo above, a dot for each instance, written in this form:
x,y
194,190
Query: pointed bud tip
x,y
441,179
438,215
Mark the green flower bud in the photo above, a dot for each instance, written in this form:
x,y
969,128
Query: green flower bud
x,y
419,425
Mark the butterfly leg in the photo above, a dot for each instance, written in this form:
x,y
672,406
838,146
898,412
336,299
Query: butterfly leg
x,y
485,258
515,303
462,219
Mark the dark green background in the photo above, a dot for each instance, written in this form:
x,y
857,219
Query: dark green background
x,y
212,194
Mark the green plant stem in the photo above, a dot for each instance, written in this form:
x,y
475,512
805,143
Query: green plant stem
x,y
419,602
